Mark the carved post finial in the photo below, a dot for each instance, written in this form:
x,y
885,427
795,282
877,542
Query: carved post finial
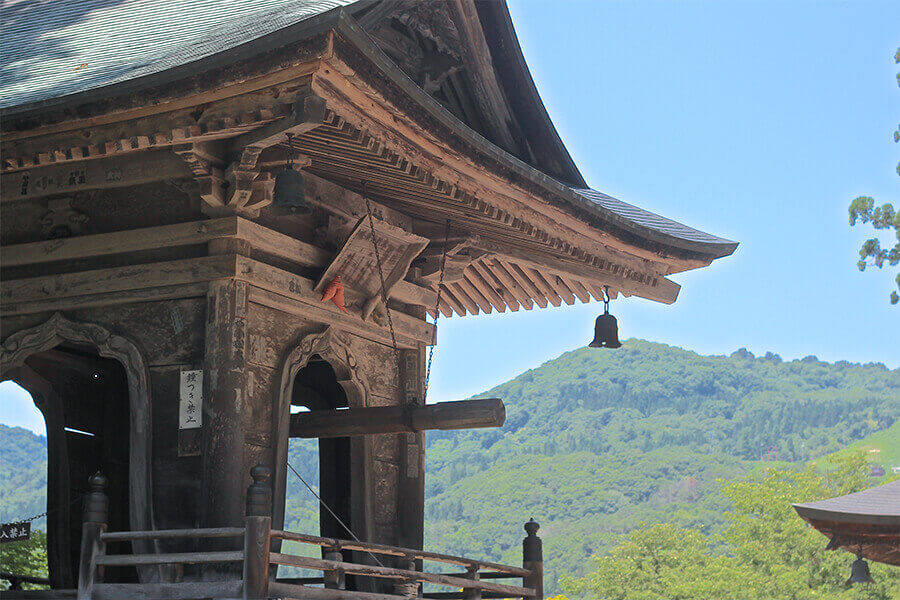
x,y
259,494
96,503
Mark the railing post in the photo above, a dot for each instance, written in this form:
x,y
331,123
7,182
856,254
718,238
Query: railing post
x,y
335,579
405,587
472,593
533,560
258,528
96,513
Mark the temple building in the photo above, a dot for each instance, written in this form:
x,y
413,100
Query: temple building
x,y
216,214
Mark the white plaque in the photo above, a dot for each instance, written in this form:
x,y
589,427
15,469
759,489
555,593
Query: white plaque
x,y
190,400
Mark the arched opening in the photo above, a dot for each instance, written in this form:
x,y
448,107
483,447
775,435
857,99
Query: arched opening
x,y
316,388
84,399
23,456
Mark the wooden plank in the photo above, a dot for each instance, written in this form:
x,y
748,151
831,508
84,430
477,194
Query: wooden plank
x,y
558,286
463,414
212,532
119,242
526,283
118,279
284,246
358,264
172,292
391,573
321,313
510,284
452,301
462,297
300,289
187,590
483,303
541,284
577,288
484,288
287,591
111,173
398,551
174,558
492,282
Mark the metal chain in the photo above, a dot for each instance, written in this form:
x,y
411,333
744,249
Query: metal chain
x,y
47,512
437,311
384,297
328,508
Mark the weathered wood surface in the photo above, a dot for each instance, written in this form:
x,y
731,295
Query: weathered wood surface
x,y
357,264
392,573
289,591
212,532
397,551
186,558
463,414
189,590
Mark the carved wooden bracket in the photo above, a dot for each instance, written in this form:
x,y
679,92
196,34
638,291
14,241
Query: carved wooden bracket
x,y
239,189
459,256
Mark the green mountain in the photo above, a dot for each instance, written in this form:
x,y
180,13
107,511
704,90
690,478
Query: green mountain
x,y
597,443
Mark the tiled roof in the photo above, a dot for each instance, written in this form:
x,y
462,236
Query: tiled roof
x,y
53,48
652,221
876,505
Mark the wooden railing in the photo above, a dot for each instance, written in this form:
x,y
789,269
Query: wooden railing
x,y
259,564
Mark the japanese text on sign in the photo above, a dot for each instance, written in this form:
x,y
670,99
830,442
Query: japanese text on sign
x,y
190,404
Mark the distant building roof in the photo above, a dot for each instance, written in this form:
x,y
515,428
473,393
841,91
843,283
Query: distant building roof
x,y
865,523
879,505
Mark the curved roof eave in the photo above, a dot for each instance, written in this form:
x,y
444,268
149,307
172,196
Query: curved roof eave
x,y
586,202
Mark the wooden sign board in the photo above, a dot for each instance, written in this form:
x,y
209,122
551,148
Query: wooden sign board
x,y
357,265
14,532
190,401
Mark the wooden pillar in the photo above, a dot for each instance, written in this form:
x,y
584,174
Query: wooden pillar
x,y
258,527
411,492
96,513
533,560
225,380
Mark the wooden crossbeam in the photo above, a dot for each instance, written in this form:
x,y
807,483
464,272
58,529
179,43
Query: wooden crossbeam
x,y
462,414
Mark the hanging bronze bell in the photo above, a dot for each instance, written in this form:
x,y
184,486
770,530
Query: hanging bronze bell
x,y
859,571
606,329
289,192
606,332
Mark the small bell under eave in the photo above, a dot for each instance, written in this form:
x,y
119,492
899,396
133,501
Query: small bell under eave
x,y
606,328
859,571
289,191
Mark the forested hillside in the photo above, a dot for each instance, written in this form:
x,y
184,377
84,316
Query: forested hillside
x,y
597,443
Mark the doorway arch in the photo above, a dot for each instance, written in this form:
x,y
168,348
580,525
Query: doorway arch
x,y
324,347
58,331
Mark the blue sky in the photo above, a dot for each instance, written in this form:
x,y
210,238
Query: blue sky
x,y
757,121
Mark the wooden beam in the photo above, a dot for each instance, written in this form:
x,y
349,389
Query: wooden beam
x,y
483,303
195,232
493,284
463,414
540,283
119,242
119,279
510,284
559,286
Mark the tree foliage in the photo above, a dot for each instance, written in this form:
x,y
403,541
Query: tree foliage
x,y
28,557
766,552
884,217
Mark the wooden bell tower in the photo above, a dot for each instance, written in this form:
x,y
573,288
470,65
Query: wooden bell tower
x,y
166,313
